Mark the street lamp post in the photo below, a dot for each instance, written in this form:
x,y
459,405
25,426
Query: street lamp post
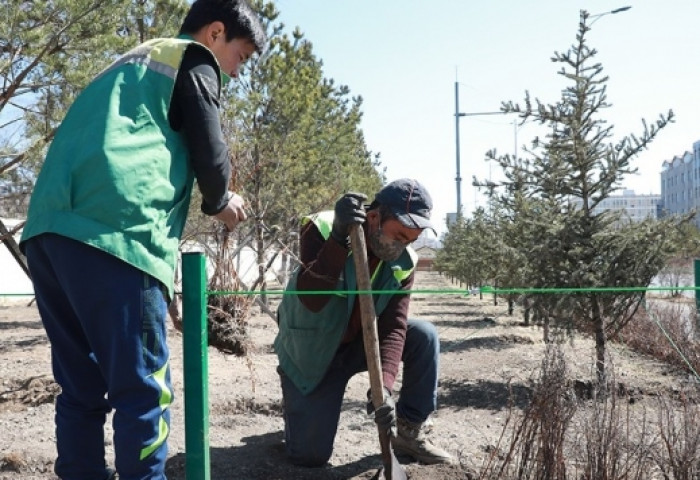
x,y
459,114
597,16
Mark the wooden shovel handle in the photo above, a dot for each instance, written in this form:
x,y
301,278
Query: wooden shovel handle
x,y
392,467
368,315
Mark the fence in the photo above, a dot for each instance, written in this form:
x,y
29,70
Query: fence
x,y
196,364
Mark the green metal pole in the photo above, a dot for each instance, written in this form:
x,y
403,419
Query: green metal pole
x,y
697,298
194,338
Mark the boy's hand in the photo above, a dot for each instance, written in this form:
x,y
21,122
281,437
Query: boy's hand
x,y
233,213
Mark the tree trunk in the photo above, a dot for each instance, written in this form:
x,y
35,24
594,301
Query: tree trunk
x,y
260,256
12,246
599,341
284,269
542,317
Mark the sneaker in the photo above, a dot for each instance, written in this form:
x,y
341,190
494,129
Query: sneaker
x,y
411,439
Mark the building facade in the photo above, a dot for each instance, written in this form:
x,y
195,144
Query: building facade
x,y
631,206
680,183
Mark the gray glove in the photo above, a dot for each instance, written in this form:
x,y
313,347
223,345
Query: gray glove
x,y
349,210
385,415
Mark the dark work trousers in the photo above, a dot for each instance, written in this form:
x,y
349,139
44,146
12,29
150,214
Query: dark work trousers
x,y
311,421
105,320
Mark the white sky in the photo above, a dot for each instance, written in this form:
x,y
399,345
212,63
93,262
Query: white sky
x,y
403,58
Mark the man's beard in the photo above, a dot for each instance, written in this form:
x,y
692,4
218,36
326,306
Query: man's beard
x,y
385,248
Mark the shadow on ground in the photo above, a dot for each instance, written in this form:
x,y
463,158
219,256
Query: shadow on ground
x,y
32,324
495,343
486,395
262,457
472,324
26,344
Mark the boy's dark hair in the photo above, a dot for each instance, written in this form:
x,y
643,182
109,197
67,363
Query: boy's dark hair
x,y
238,17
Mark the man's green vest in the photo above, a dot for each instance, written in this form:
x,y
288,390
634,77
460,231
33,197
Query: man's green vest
x,y
117,176
307,341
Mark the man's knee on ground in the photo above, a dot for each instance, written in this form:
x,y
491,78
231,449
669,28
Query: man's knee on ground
x,y
307,455
309,460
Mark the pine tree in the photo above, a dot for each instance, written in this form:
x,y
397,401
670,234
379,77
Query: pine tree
x,y
49,51
295,137
552,192
296,146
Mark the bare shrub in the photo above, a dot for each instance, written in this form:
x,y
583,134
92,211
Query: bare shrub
x,y
611,443
227,323
665,332
678,455
536,444
557,436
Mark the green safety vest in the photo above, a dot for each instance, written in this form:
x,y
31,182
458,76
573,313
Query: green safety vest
x,y
116,175
307,341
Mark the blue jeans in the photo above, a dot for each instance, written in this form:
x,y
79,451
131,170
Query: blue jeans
x,y
105,320
311,421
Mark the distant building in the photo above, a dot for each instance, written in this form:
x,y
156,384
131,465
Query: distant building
x,y
426,239
426,257
680,183
450,218
634,207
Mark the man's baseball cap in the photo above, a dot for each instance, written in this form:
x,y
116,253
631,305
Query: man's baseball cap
x,y
410,202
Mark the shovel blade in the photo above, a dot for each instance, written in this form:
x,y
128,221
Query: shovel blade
x,y
392,469
396,472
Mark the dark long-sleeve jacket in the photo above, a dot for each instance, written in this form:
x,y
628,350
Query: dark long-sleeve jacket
x,y
323,261
194,112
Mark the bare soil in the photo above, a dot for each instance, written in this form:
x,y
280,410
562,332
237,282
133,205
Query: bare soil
x,y
488,363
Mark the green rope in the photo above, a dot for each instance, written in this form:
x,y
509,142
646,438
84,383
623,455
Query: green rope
x,y
450,291
482,290
337,292
487,290
504,291
454,291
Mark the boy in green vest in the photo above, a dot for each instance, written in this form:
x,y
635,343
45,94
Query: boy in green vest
x,y
104,225
319,344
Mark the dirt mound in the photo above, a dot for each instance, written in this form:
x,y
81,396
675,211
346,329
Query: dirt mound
x,y
18,395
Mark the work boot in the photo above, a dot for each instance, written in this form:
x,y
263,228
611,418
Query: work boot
x,y
411,439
